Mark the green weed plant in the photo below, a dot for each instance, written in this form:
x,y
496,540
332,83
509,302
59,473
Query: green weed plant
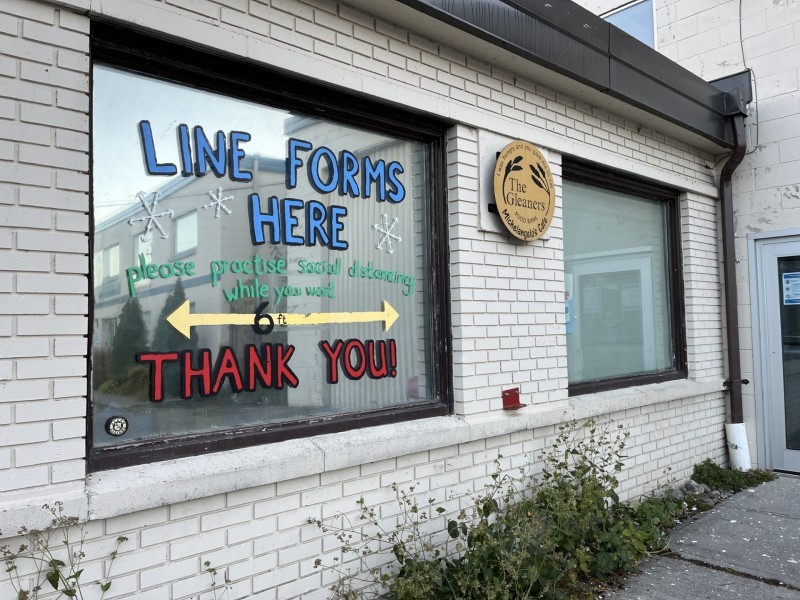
x,y
56,554
551,537
718,478
219,591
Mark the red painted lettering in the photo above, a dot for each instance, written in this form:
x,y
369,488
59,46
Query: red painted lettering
x,y
376,359
227,367
376,353
201,374
332,354
258,367
354,370
156,360
284,371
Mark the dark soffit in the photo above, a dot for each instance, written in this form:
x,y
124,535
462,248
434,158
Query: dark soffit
x,y
563,37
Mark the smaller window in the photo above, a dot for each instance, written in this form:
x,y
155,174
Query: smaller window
x,y
622,281
106,265
145,248
143,253
98,268
186,234
147,317
108,328
636,19
112,261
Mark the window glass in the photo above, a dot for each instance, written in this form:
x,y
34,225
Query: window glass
x,y
229,209
616,284
636,20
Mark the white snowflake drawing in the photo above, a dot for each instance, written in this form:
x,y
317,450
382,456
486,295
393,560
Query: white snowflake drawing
x,y
151,218
218,202
385,228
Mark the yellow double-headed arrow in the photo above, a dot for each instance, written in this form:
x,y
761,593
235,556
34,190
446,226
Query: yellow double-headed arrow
x,y
183,320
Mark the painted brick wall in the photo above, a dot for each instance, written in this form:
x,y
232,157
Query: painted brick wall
x,y
702,285
507,314
710,39
44,183
260,534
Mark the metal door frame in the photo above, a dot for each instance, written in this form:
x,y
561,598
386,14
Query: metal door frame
x,y
756,243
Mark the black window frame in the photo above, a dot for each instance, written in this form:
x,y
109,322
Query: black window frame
x,y
174,61
595,175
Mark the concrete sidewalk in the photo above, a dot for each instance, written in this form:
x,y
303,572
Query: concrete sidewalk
x,y
745,547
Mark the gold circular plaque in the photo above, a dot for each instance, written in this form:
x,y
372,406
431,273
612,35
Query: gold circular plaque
x,y
524,191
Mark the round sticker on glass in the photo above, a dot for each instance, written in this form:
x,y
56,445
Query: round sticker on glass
x,y
116,426
524,191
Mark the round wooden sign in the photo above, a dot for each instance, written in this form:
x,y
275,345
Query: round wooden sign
x,y
524,190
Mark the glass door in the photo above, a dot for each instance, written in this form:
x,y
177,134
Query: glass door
x,y
789,274
779,291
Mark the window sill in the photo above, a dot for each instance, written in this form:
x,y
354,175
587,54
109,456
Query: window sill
x,y
600,403
131,489
183,254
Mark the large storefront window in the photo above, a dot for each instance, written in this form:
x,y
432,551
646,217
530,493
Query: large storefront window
x,y
623,314
274,269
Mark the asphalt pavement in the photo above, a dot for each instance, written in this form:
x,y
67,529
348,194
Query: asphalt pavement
x,y
747,546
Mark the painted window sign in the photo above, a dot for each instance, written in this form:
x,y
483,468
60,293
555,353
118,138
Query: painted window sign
x,y
270,267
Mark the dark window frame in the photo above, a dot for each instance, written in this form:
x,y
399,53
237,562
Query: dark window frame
x,y
600,176
173,61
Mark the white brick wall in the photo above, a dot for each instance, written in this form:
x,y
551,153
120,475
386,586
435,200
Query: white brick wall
x,y
702,293
261,536
251,519
44,178
705,38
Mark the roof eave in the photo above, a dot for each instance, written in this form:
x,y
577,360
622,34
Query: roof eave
x,y
561,44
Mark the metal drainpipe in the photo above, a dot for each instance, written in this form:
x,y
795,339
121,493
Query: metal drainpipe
x,y
734,381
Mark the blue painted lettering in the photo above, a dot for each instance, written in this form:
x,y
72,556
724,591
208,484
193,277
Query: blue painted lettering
x,y
290,222
293,162
197,153
323,226
314,222
314,168
151,164
236,155
397,192
184,143
352,177
335,225
347,183
259,219
206,155
374,173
